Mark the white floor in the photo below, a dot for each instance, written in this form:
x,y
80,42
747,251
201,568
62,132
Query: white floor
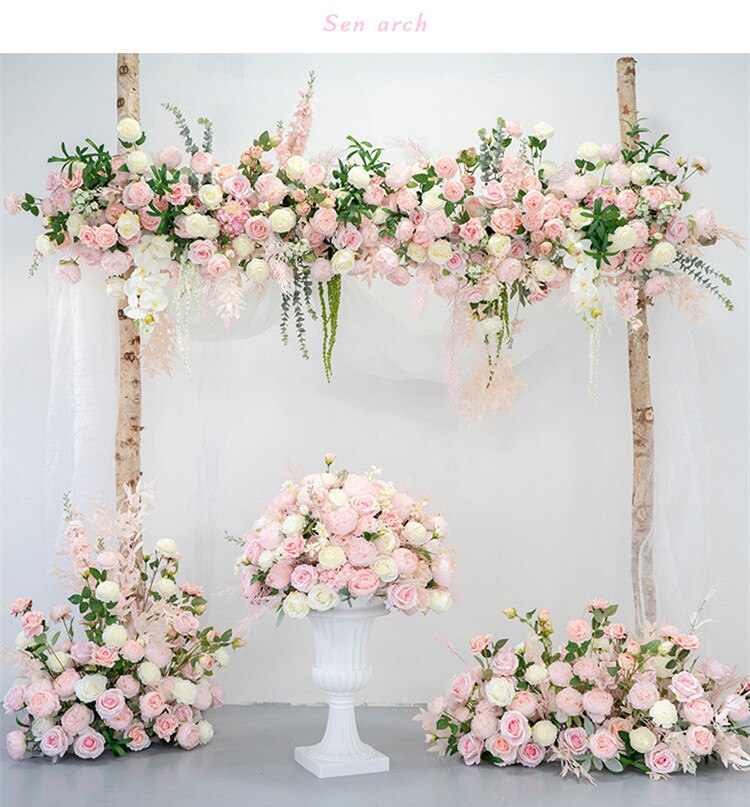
x,y
250,762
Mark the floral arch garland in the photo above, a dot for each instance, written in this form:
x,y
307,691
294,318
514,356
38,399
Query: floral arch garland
x,y
492,229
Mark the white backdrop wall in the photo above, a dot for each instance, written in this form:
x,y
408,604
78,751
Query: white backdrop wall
x,y
538,498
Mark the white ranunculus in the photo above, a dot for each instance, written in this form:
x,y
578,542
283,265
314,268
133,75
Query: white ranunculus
x,y
296,166
184,691
205,732
343,261
89,687
222,657
385,568
589,151
535,674
543,130
359,177
338,497
577,219
331,557
166,547
266,560
129,130
210,195
293,524
257,270
416,252
642,739
282,219
74,224
296,605
662,255
196,225
440,601
416,534
499,691
137,161
41,725
59,661
108,591
640,173
624,238
321,598
432,201
114,635
499,245
439,252
544,732
43,245
663,713
544,270
166,586
149,673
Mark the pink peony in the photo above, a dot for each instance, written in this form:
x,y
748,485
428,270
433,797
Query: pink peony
x,y
700,740
201,162
188,735
525,702
560,673
169,156
20,605
470,748
461,687
643,695
279,576
586,668
15,699
89,744
77,718
65,683
360,551
137,195
698,711
569,701
41,701
604,745
132,651
598,703
514,727
15,743
578,630
342,521
445,167
128,685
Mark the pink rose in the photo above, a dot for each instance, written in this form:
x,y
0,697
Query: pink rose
x,y
360,552
677,230
201,162
185,623
493,194
89,744
165,726
403,596
687,641
15,743
603,745
445,167
217,266
698,711
238,186
169,156
104,657
436,706
661,760
20,605
504,663
348,238
397,175
15,699
715,670
106,236
304,577
65,683
470,748
461,687
578,630
342,521
188,736
626,201
700,740
509,270
110,703
54,742
41,702
151,704
87,236
737,708
363,583
201,252
321,270
569,701
598,703
574,739
514,727
132,651
292,547
137,194
202,697
554,229
271,189
128,686
472,231
139,739
686,687
59,612
530,754
279,576
32,623
643,695
479,643
501,749
453,190
504,221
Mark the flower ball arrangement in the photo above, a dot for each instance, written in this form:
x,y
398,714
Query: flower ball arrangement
x,y
332,538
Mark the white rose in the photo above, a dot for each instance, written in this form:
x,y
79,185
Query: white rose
x,y
589,151
499,245
282,220
257,270
661,255
337,497
222,657
129,130
114,635
642,739
137,162
293,524
385,568
440,601
205,732
416,252
321,598
166,547
243,246
416,534
359,177
577,219
74,224
196,225
184,691
640,173
59,661
432,201
266,560
166,586
210,195
296,166
108,591
386,543
331,557
43,245
296,605
89,687
439,252
543,130
149,673
544,270
535,674
23,641
624,237
343,261
499,691
128,225
663,713
40,725
544,732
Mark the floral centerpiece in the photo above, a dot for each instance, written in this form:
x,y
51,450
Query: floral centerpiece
x,y
125,660
605,698
333,538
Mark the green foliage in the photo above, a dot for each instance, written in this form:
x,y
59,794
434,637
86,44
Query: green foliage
x,y
641,150
94,161
699,271
330,301
604,221
183,126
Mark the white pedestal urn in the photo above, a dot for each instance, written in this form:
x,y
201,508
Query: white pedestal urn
x,y
342,639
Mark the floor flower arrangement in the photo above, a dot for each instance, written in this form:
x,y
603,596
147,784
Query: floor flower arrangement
x,y
606,698
125,660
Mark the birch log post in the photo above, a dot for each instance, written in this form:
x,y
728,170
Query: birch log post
x,y
641,409
128,435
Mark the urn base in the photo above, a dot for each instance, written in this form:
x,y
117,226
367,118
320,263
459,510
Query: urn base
x,y
325,767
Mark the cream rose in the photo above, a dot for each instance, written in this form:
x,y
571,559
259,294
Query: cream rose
x,y
359,177
578,219
535,674
107,591
196,225
543,130
184,691
439,252
257,270
43,245
293,524
499,245
440,601
167,547
416,252
321,598
205,732
296,166
243,246
343,261
432,201
166,587
210,195
544,733
149,673
90,687
137,162
385,568
331,557
296,605
282,220
624,237
499,691
544,270
114,635
661,255
129,130
642,739
640,173
664,714
74,224
589,151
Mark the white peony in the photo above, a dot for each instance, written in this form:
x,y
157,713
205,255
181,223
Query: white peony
x,y
166,547
544,732
321,598
343,261
663,713
642,739
137,162
296,166
149,673
386,542
205,732
544,270
282,219
107,591
114,635
439,252
184,691
543,130
23,641
243,246
359,177
589,151
416,252
129,130
661,255
416,534
548,167
210,195
440,601
166,586
499,691
535,674
499,245
89,687
257,270
59,661
293,524
43,245
385,568
331,557
296,605
640,173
